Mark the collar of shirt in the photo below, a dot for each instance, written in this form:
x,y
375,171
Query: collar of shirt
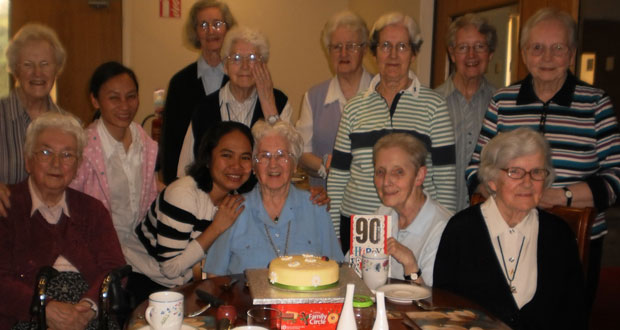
x,y
451,88
497,225
51,214
233,110
334,92
204,69
418,226
563,97
254,202
413,89
110,145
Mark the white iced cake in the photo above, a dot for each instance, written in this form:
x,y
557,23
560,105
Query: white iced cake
x,y
303,272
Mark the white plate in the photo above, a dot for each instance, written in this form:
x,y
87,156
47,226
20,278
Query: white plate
x,y
183,327
405,293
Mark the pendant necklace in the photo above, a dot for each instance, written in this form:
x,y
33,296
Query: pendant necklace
x,y
510,278
273,246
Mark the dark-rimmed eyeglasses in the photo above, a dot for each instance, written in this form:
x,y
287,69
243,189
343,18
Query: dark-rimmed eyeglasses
x,y
401,47
537,174
45,156
478,47
555,49
237,59
281,157
350,47
216,25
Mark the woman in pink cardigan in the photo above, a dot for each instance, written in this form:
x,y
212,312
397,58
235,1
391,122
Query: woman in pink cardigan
x,y
119,158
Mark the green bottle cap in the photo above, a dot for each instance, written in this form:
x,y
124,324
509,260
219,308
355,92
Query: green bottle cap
x,y
361,301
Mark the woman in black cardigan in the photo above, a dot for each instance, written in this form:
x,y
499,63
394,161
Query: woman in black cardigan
x,y
518,262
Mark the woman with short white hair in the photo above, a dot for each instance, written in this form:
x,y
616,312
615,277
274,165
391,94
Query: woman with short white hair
x,y
279,219
517,261
395,101
246,98
35,59
345,40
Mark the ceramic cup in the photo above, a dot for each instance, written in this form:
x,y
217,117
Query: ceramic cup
x,y
266,317
375,267
165,311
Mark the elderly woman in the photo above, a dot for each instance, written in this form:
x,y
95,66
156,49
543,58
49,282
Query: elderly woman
x,y
205,28
471,43
345,38
247,97
417,220
50,224
395,101
578,120
278,218
119,158
518,262
194,210
35,58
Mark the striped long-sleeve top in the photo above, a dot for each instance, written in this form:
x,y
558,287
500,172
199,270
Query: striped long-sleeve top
x,y
581,126
366,118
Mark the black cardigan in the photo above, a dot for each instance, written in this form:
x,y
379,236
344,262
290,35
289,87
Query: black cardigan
x,y
466,264
207,113
185,91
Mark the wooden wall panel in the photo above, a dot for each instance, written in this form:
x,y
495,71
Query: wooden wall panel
x,y
90,36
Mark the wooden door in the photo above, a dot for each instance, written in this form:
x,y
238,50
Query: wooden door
x,y
446,10
90,36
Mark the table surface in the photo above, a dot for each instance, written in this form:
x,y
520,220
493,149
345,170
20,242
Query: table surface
x,y
239,296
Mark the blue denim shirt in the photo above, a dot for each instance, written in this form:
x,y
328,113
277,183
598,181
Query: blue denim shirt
x,y
246,245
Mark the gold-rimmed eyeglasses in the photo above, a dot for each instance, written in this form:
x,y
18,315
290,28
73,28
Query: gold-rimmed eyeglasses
x,y
280,156
537,174
557,50
350,47
401,47
216,25
478,47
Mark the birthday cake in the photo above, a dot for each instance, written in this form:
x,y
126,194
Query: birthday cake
x,y
303,273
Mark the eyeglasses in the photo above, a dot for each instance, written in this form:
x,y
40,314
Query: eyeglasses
x,y
401,47
29,66
281,157
216,25
555,49
478,47
66,158
236,59
537,174
350,47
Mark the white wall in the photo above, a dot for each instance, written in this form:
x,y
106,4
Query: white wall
x,y
154,46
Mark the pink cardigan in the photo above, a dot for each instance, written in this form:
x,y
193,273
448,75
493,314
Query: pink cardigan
x,y
91,176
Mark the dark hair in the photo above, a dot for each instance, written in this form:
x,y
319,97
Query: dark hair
x,y
107,71
199,170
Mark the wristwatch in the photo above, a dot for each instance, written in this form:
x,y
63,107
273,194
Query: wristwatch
x,y
413,276
273,119
569,196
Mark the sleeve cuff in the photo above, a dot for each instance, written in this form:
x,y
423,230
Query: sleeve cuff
x,y
93,305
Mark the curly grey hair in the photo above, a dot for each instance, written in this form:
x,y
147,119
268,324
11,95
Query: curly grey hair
x,y
480,23
192,19
507,146
34,32
282,128
66,122
252,36
348,20
548,14
394,18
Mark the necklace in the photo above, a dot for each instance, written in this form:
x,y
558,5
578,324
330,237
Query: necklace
x,y
273,246
510,278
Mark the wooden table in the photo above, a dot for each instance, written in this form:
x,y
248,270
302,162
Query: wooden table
x,y
239,296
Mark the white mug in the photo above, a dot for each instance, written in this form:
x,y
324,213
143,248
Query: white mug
x,y
375,267
165,311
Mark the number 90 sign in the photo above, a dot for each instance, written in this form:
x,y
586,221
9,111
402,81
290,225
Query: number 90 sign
x,y
368,230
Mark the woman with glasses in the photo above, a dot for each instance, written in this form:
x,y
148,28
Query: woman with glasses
x,y
50,224
206,26
471,43
518,262
247,97
278,218
577,119
345,38
394,102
